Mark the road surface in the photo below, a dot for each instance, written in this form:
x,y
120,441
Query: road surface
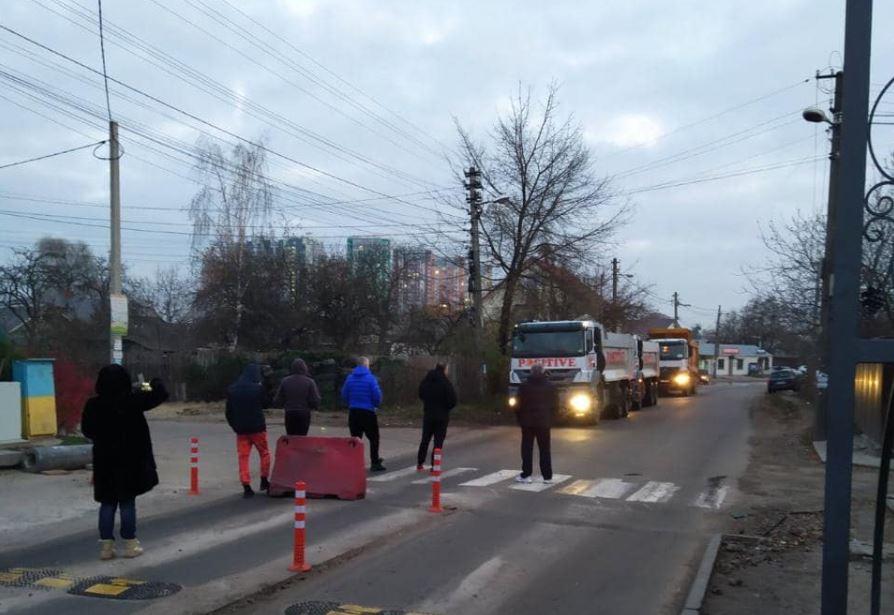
x,y
621,531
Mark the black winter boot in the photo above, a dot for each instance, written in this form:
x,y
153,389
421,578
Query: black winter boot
x,y
265,484
247,491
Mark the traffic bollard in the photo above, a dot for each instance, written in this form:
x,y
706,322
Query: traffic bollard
x,y
436,483
193,466
298,562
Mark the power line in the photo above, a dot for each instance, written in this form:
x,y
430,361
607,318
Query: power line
x,y
45,156
102,48
206,122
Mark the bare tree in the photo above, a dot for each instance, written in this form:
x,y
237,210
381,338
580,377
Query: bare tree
x,y
558,210
233,207
171,294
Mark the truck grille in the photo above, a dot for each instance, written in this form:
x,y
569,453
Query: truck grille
x,y
556,376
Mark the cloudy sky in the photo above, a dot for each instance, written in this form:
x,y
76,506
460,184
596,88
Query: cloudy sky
x,y
357,100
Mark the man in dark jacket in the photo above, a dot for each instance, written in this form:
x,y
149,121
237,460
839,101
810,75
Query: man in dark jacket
x,y
538,399
438,399
362,395
123,462
246,399
298,395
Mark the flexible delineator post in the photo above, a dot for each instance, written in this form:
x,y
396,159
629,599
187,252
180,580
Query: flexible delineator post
x,y
193,466
436,483
298,562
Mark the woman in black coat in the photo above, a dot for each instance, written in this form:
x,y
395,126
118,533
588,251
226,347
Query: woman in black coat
x,y
123,463
438,399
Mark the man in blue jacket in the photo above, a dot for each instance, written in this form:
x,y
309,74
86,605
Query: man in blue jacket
x,y
362,395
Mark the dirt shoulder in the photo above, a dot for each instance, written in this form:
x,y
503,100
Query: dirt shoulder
x,y
392,416
771,560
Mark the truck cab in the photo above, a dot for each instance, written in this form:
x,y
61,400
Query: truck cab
x,y
591,368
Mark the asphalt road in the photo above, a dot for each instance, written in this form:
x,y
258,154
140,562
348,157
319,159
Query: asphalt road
x,y
623,533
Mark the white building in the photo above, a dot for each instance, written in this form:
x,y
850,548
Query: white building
x,y
734,359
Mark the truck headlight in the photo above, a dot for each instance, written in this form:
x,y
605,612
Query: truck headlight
x,y
580,402
681,379
513,401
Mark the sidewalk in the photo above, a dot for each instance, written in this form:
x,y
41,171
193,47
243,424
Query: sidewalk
x,y
50,506
771,559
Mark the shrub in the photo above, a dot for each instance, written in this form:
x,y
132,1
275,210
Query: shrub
x,y
74,386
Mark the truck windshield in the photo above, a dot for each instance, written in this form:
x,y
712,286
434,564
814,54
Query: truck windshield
x,y
673,350
548,344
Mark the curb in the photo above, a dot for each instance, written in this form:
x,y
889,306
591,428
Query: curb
x,y
699,586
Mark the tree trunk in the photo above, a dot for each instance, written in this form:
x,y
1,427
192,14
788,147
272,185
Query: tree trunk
x,y
505,332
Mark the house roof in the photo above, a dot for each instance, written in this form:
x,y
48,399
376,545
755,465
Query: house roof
x,y
706,350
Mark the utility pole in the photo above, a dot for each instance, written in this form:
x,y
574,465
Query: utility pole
x,y
117,300
615,273
473,186
819,432
716,344
677,306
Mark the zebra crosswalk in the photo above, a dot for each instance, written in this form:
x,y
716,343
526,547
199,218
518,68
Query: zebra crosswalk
x,y
712,497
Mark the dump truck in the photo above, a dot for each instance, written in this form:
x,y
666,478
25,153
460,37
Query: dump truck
x,y
645,393
594,370
678,360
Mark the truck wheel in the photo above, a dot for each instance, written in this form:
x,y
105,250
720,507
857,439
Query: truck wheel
x,y
623,402
639,398
655,394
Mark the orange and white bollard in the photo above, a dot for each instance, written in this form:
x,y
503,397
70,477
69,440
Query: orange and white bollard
x,y
193,466
298,562
436,483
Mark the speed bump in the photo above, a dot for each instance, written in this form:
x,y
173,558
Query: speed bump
x,y
116,588
322,607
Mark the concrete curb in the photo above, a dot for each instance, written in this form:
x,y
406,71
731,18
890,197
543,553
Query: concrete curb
x,y
699,586
859,459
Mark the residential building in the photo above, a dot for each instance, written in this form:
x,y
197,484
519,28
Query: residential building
x,y
735,359
410,265
447,283
379,245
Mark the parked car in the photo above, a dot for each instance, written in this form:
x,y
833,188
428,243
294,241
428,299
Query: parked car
x,y
783,380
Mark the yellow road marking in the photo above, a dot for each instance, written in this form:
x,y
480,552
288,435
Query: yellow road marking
x,y
356,609
10,577
128,582
106,589
55,582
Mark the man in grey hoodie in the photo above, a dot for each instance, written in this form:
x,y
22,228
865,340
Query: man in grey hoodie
x,y
298,395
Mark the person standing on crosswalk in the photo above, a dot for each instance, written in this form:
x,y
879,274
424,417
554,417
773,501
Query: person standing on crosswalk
x,y
362,395
438,399
538,399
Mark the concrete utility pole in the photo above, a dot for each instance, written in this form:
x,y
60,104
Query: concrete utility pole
x,y
831,209
474,200
116,295
716,344
677,306
615,273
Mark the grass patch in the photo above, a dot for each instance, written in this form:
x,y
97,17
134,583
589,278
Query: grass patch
x,y
73,440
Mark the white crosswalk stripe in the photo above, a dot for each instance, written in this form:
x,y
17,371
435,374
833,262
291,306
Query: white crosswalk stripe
x,y
712,499
654,491
384,478
447,474
491,479
539,485
608,488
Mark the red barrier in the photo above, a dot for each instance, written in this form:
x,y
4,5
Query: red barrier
x,y
193,466
328,466
436,484
298,563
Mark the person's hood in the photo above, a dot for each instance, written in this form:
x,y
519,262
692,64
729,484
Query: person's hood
x,y
113,381
436,374
251,375
361,370
299,367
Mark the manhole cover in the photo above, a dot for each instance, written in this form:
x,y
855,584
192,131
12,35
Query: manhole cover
x,y
117,588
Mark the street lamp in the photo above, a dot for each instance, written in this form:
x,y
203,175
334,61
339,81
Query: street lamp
x,y
815,115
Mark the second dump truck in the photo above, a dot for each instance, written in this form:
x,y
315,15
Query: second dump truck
x,y
678,360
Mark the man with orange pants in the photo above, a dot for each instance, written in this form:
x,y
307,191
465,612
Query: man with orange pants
x,y
246,400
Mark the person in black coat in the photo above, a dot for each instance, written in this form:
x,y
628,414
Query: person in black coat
x,y
123,462
538,400
438,399
246,400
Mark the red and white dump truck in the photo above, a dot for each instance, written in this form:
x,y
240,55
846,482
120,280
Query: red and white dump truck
x,y
598,373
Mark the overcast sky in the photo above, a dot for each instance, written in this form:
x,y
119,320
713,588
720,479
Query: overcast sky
x,y
357,99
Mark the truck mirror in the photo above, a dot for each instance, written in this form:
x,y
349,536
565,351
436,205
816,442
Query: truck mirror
x,y
600,361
